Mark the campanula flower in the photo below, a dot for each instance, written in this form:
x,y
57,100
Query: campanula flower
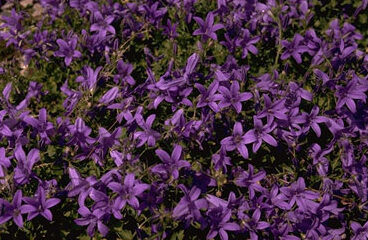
x,y
13,210
148,135
171,164
260,133
190,204
294,48
206,28
128,191
23,171
67,50
39,205
232,97
236,141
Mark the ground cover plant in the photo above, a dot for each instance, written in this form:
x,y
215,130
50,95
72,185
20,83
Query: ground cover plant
x,y
183,119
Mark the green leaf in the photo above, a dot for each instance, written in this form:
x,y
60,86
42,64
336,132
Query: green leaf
x,y
178,235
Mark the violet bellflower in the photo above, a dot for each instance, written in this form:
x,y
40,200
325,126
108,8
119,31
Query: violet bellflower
x,y
128,191
41,125
246,42
105,141
4,164
296,193
220,223
294,48
206,28
102,24
79,134
208,96
273,110
13,21
152,13
124,73
79,186
90,218
13,210
310,120
319,159
170,29
252,224
233,203
67,50
260,133
360,232
89,77
72,99
189,205
148,135
250,180
12,29
236,141
24,164
109,96
347,94
232,97
220,160
171,164
39,205
103,205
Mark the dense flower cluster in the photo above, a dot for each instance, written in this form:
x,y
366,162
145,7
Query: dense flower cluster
x,y
183,119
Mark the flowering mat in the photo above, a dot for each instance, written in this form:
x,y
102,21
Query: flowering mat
x,y
183,119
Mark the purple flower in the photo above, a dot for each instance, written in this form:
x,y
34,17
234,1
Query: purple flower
x,y
236,141
206,28
360,232
124,71
148,135
296,193
294,48
79,186
153,13
105,141
347,94
232,96
67,50
25,164
103,206
90,218
219,223
13,21
189,206
273,110
128,191
171,164
319,159
109,96
246,42
88,80
72,99
250,180
253,224
102,25
208,96
4,163
170,29
12,210
310,120
39,205
79,133
260,133
300,92
220,160
41,125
